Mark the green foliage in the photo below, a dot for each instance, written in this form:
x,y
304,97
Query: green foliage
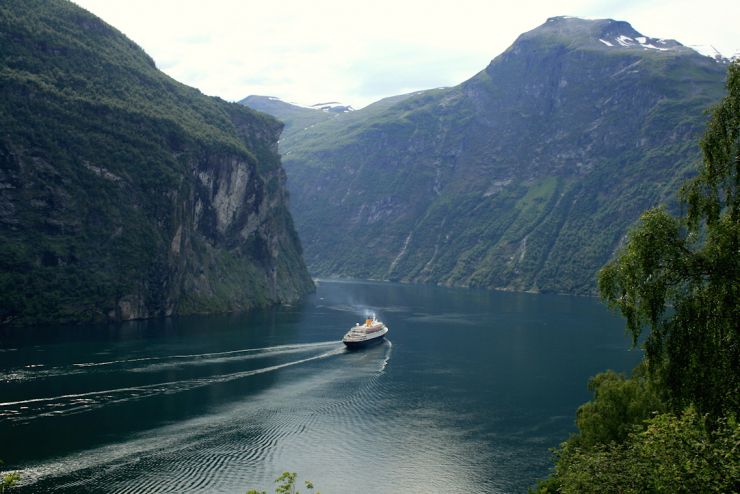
x,y
673,454
680,276
8,480
525,177
104,159
619,406
287,484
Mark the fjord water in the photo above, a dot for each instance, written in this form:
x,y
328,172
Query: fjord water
x,y
468,393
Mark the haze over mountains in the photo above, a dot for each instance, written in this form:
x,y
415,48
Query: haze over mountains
x,y
524,177
123,193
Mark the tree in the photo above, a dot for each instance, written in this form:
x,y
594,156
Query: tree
x,y
620,405
679,276
673,454
287,485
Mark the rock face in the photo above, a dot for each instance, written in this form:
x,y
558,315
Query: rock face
x,y
124,194
525,177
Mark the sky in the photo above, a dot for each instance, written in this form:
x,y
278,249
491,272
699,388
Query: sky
x,y
359,51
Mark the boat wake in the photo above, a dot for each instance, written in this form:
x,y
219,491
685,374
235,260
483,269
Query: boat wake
x,y
33,372
237,444
79,402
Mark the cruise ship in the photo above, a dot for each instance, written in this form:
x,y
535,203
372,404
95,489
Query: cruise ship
x,y
366,334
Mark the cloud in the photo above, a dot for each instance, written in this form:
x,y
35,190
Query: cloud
x,y
359,51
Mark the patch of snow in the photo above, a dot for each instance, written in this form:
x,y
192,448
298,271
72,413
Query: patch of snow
x,y
641,39
605,42
625,40
332,106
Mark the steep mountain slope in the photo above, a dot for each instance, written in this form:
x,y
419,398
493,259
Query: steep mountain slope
x,y
124,194
524,177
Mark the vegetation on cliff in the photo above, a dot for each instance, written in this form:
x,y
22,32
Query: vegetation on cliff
x,y
124,193
672,427
525,177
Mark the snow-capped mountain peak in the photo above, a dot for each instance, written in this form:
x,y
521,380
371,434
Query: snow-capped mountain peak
x,y
332,107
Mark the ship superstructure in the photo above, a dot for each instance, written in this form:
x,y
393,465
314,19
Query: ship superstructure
x,y
372,331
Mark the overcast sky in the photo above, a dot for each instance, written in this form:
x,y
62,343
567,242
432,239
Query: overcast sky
x,y
358,51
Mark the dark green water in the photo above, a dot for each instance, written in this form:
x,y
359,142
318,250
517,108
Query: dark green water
x,y
467,395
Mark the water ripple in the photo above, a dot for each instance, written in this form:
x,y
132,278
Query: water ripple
x,y
67,404
215,452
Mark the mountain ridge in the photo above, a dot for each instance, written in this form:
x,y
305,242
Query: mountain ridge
x,y
511,179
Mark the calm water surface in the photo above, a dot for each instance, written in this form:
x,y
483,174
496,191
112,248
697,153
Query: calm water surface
x,y
467,394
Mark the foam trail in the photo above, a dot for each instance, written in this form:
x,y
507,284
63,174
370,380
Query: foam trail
x,y
268,349
157,363
218,453
236,356
82,402
387,358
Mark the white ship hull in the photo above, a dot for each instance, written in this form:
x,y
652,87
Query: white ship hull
x,y
359,342
373,331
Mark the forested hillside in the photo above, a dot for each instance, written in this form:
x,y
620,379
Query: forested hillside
x,y
123,193
525,177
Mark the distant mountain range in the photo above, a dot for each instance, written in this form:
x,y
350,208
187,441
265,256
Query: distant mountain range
x,y
123,193
524,177
295,117
332,107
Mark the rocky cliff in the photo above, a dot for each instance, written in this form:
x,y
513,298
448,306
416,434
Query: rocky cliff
x,y
525,177
124,194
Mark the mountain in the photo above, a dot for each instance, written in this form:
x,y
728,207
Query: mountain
x,y
123,193
296,118
332,107
525,177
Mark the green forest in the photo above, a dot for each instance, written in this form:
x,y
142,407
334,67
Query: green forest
x,y
104,159
525,177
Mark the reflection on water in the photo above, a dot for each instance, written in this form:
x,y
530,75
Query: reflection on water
x,y
466,395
